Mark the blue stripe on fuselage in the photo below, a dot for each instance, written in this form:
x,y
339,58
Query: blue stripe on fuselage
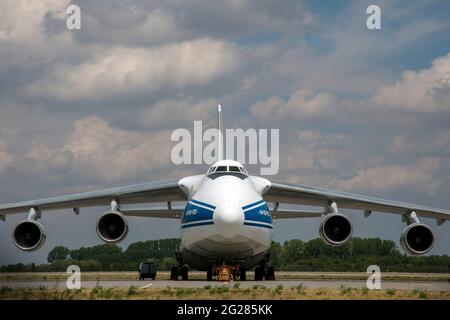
x,y
199,214
193,213
260,213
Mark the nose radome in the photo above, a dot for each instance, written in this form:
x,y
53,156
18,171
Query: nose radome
x,y
228,217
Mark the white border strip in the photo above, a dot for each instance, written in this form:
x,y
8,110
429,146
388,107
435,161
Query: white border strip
x,y
199,205
259,222
254,207
194,222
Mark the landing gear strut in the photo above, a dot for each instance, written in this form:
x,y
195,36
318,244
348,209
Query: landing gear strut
x,y
242,274
209,274
180,270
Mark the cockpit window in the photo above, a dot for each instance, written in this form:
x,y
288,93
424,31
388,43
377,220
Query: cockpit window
x,y
219,171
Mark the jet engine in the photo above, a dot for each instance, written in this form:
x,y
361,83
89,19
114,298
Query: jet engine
x,y
417,239
29,235
112,227
335,229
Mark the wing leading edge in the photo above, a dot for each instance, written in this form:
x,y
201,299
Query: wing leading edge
x,y
306,195
157,191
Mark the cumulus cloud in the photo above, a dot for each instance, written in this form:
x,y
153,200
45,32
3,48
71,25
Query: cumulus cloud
x,y
23,20
427,90
433,142
330,140
302,104
122,70
176,112
32,34
316,153
97,151
157,22
241,17
121,22
384,178
314,157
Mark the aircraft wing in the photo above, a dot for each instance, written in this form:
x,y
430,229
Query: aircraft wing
x,y
306,195
157,191
172,213
290,214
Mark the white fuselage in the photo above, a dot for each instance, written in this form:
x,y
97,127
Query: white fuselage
x,y
225,220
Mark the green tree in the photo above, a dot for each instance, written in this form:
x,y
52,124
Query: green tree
x,y
294,255
292,251
58,253
276,251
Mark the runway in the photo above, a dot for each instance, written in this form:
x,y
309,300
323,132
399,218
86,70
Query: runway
x,y
310,284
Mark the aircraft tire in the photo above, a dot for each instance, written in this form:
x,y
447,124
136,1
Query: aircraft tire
x,y
209,274
259,273
269,273
184,273
174,273
242,274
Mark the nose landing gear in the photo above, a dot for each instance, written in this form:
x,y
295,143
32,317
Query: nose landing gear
x,y
226,273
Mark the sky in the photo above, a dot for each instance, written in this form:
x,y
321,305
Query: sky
x,y
365,111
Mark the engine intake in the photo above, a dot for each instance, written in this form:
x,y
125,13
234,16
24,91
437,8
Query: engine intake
x,y
112,227
417,239
335,229
29,235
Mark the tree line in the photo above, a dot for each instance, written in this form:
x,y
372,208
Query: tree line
x,y
293,255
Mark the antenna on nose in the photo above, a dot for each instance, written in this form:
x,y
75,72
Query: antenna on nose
x,y
220,135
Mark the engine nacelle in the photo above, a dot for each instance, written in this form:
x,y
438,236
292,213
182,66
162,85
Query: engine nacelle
x,y
335,229
417,239
112,227
29,235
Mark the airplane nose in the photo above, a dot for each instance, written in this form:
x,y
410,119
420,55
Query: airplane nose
x,y
228,217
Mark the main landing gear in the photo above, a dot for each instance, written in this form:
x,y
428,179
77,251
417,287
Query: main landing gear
x,y
176,272
263,271
181,270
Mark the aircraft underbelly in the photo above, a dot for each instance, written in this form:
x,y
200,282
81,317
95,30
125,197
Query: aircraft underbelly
x,y
207,242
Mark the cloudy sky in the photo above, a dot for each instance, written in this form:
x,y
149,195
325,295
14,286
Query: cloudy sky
x,y
359,110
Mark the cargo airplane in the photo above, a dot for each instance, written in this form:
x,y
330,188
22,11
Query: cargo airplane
x,y
226,224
